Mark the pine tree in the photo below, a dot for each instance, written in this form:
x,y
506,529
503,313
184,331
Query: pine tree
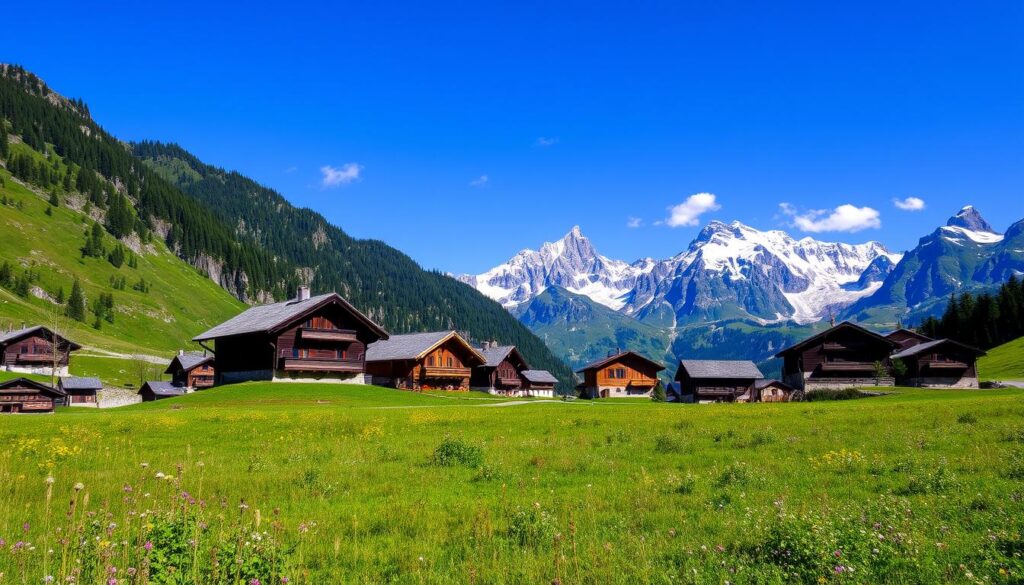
x,y
54,200
658,394
76,302
4,148
6,274
59,297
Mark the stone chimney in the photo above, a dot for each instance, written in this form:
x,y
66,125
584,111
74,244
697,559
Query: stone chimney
x,y
303,294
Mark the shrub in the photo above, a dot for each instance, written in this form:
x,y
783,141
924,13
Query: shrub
x,y
668,444
683,485
452,452
935,481
967,418
844,394
531,526
734,474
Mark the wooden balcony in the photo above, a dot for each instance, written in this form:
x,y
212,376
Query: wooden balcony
x,y
38,358
943,365
514,382
323,334
642,383
440,372
310,364
202,381
847,367
833,346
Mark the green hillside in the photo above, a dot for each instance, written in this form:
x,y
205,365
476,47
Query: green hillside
x,y
178,302
1004,362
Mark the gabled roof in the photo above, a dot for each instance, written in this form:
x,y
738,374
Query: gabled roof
x,y
539,376
494,355
603,361
79,383
187,361
909,332
414,346
923,347
268,318
764,383
741,369
843,325
26,383
12,336
161,388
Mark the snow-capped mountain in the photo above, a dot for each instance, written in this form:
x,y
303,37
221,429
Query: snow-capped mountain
x,y
729,270
571,263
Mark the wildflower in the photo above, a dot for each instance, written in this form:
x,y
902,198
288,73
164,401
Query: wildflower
x,y
254,582
48,579
284,580
148,546
26,526
145,465
837,554
49,481
160,475
79,486
112,581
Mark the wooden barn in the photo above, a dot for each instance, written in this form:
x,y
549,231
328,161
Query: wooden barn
x,y
773,391
907,337
625,374
22,395
441,360
539,383
321,338
501,372
80,391
33,350
192,370
718,380
158,390
840,357
940,363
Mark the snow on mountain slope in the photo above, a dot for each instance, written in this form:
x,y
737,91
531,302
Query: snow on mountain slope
x,y
814,277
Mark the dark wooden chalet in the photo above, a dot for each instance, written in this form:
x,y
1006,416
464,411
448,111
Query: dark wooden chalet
x,y
80,391
941,363
440,360
192,370
501,371
718,380
907,337
839,357
22,395
625,374
158,390
773,391
306,338
539,383
30,350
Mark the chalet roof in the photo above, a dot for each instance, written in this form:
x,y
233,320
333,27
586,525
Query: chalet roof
x,y
79,383
494,355
414,346
923,347
764,383
267,318
188,361
539,376
741,369
161,388
27,383
843,325
12,336
909,332
601,362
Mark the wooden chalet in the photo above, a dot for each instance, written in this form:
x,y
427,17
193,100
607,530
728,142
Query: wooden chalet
x,y
192,370
538,383
839,357
501,371
772,391
939,363
621,375
80,391
158,390
320,338
907,337
22,395
718,380
30,350
441,360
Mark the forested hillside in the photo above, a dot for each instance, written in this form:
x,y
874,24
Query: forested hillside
x,y
387,284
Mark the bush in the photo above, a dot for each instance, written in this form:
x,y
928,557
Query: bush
x,y
844,394
452,452
668,444
531,526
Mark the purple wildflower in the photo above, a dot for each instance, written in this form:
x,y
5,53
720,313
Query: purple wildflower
x,y
148,545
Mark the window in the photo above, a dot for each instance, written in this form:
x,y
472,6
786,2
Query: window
x,y
295,352
342,354
450,362
430,361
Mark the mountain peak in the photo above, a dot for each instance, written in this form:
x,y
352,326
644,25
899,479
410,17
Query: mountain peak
x,y
574,234
969,218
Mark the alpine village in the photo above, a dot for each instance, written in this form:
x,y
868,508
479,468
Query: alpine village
x,y
228,388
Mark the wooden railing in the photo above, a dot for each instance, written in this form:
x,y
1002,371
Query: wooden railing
x,y
38,358
316,364
327,334
444,372
941,364
509,381
847,367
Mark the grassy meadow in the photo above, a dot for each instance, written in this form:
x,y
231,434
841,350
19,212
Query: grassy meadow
x,y
1005,362
310,483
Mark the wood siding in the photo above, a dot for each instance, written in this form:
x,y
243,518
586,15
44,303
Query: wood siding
x,y
843,353
33,351
714,389
624,376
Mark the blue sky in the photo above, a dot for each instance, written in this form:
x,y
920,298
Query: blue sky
x,y
461,133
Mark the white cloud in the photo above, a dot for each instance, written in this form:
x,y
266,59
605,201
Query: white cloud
x,y
546,141
336,177
845,218
291,170
634,222
479,181
909,204
688,212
